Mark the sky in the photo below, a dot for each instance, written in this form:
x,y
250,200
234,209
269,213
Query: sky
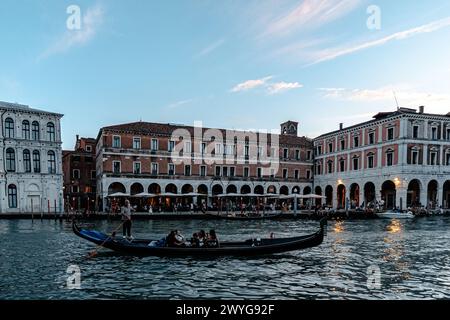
x,y
242,64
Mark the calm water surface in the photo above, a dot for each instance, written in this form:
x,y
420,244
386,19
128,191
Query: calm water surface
x,y
413,257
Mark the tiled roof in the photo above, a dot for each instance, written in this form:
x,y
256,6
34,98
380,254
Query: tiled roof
x,y
25,108
167,129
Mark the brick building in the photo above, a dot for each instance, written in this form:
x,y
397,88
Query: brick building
x,y
165,158
400,157
79,175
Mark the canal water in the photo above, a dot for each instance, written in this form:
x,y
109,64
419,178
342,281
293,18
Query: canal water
x,y
376,259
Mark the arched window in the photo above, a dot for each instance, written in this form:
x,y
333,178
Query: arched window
x,y
9,128
35,130
51,162
12,196
10,160
36,161
27,160
26,129
51,131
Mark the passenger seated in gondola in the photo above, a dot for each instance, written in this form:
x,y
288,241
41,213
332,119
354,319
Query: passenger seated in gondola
x,y
201,238
175,239
213,241
195,241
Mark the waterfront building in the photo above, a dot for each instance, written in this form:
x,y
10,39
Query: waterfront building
x,y
156,158
401,158
80,182
31,177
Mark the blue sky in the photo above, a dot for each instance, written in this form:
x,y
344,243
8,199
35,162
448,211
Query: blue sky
x,y
246,64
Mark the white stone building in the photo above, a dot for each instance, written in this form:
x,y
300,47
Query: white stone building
x,y
31,178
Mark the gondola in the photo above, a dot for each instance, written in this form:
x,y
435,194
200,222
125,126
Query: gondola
x,y
250,247
270,216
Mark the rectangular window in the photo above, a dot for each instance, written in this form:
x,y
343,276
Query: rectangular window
x,y
296,174
342,144
203,171
225,171
187,170
260,151
116,167
137,143
89,148
116,142
76,174
370,163
187,147
342,165
330,148
318,169
389,159
219,149
259,172
171,146
285,173
246,151
218,171
390,133
447,134
285,153
447,159
309,155
171,169
433,158
229,149
27,161
137,168
246,172
155,168
371,138
232,171
155,145
308,174
319,150
355,142
355,164
415,132
75,189
415,157
36,161
330,167
203,148
434,134
297,154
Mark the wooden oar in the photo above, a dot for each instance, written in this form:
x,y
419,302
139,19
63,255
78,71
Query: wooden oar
x,y
93,253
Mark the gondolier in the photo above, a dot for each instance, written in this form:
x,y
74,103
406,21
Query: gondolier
x,y
126,219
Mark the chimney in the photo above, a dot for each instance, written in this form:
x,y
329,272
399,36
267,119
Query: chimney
x,y
421,109
341,126
78,137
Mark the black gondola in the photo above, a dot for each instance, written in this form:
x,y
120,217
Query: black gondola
x,y
245,248
270,216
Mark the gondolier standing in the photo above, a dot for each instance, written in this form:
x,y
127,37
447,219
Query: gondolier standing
x,y
126,218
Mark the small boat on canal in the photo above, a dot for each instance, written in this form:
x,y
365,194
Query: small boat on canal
x,y
395,215
251,247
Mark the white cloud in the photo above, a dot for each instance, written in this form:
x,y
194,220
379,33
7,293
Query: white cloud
x,y
407,96
333,53
179,104
251,84
309,13
283,86
210,48
91,21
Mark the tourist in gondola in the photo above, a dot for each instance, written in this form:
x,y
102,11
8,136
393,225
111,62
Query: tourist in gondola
x,y
213,241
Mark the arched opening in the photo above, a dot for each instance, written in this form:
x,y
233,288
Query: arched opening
x,y
446,195
369,194
341,191
318,191
171,188
329,196
432,194
284,190
259,190
136,188
306,191
272,190
388,193
231,189
296,190
217,189
413,196
187,188
203,189
246,189
116,187
154,188
354,196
